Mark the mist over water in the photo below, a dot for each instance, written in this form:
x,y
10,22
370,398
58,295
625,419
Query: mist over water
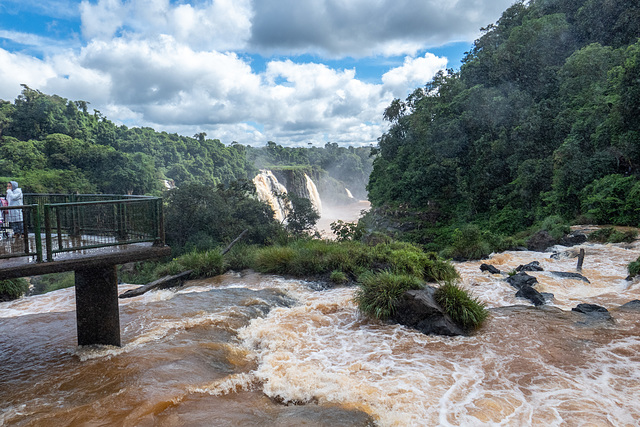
x,y
252,349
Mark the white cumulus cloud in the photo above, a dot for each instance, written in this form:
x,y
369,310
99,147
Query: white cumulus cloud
x,y
413,73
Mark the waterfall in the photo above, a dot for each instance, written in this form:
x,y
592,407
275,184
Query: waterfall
x,y
266,184
349,193
314,196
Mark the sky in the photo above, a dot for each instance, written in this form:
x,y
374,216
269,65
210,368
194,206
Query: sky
x,y
295,72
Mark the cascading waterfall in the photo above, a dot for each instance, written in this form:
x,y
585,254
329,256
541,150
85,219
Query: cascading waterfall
x,y
314,196
349,193
266,185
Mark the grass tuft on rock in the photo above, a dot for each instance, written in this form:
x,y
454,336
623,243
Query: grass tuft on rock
x,y
634,267
465,310
379,293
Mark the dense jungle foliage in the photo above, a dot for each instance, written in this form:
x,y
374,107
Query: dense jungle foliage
x,y
542,119
51,144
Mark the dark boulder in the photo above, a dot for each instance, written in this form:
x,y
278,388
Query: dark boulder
x,y
532,295
532,266
633,305
490,268
576,238
418,309
540,241
521,280
568,275
593,310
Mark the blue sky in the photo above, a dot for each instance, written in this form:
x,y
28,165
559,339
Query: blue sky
x,y
290,71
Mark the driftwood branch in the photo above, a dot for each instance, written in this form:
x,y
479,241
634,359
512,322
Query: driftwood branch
x,y
172,281
162,283
237,239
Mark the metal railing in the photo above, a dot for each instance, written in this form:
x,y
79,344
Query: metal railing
x,y
77,222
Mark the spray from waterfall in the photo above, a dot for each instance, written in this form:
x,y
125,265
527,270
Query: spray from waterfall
x,y
267,186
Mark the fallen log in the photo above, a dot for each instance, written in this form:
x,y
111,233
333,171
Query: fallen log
x,y
162,283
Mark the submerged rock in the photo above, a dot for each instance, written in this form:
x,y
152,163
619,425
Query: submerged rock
x,y
568,275
521,280
418,309
532,266
575,238
633,305
593,310
540,241
490,268
532,295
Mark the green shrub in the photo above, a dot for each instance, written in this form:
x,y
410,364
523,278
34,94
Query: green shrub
x,y
52,282
378,293
140,273
338,277
202,264
556,226
306,257
468,242
634,267
347,230
240,257
13,288
465,310
274,259
437,270
611,235
612,199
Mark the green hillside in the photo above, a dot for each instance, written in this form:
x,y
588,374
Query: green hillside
x,y
542,120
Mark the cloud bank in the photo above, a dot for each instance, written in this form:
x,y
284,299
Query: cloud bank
x,y
232,68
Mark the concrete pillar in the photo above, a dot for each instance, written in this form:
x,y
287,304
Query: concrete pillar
x,y
97,313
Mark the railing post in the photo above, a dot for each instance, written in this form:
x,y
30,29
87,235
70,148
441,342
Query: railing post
x,y
25,230
75,226
38,236
159,226
120,213
59,229
47,230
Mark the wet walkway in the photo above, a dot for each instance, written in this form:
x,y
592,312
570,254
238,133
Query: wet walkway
x,y
27,265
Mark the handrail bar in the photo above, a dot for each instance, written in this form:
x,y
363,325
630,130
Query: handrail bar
x,y
78,225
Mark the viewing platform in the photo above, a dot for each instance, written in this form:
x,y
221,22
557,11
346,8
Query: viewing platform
x,y
89,234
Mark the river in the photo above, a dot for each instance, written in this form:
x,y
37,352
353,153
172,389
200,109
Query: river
x,y
246,349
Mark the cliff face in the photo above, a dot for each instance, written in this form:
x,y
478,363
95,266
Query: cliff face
x,y
331,191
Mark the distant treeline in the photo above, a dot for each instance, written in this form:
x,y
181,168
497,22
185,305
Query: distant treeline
x,y
51,144
542,119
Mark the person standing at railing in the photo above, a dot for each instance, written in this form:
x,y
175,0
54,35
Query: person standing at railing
x,y
14,196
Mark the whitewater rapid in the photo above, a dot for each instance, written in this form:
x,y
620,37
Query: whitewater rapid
x,y
252,349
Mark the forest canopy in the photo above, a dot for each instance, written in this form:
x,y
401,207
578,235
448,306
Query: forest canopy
x,y
51,144
542,119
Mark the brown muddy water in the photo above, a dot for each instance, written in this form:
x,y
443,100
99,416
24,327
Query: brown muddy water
x,y
250,349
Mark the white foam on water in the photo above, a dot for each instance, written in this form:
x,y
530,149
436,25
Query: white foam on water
x,y
58,301
155,329
231,384
323,350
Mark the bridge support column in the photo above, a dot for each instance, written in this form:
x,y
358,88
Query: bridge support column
x,y
97,313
